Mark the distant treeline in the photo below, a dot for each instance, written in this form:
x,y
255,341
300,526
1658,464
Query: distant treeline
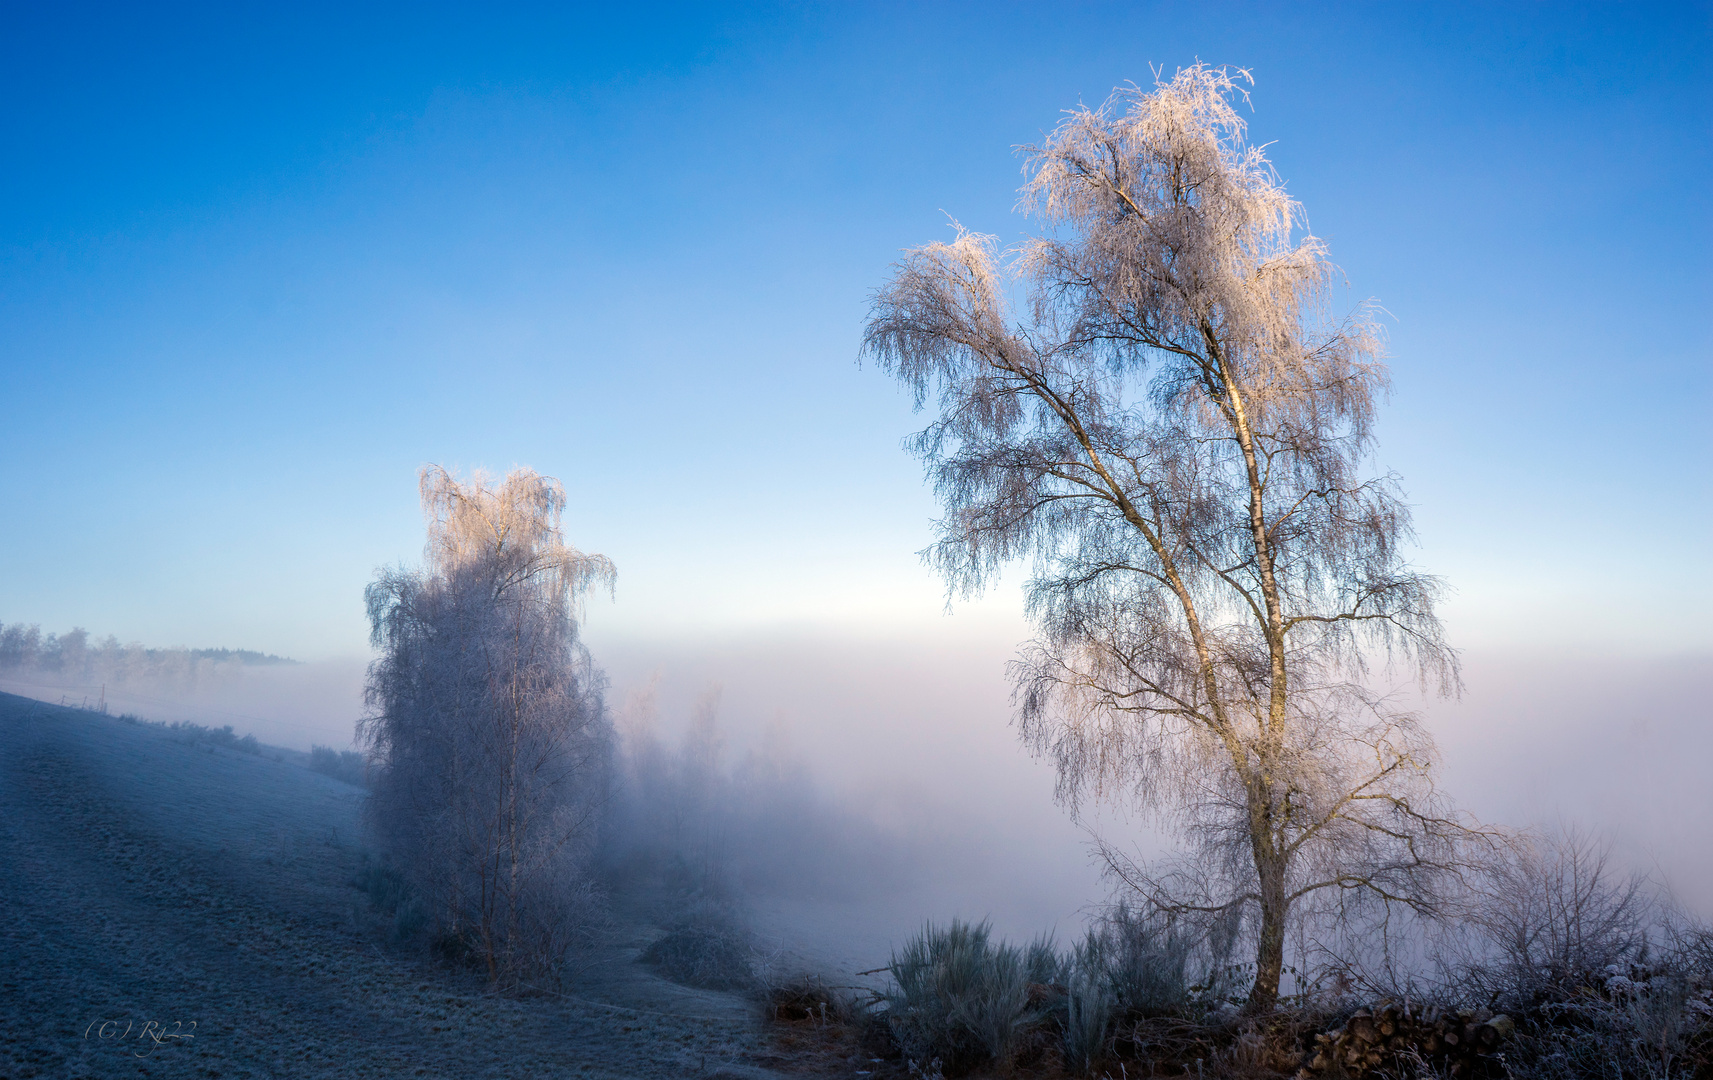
x,y
76,656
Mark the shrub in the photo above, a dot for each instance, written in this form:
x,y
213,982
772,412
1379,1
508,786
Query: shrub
x,y
1145,964
1131,969
196,734
707,948
346,765
391,894
810,998
1653,1022
963,999
1090,1005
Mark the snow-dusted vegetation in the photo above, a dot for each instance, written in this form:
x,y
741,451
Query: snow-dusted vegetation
x,y
487,734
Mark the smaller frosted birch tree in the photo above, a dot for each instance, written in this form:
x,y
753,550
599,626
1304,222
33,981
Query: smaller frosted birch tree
x,y
1174,431
486,723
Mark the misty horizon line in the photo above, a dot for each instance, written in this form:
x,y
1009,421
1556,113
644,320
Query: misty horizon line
x,y
23,644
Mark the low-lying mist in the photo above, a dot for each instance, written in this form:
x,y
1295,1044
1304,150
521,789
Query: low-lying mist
x,y
834,832
844,788
280,701
873,784
1615,744
910,738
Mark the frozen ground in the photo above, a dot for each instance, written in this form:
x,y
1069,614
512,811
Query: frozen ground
x,y
151,887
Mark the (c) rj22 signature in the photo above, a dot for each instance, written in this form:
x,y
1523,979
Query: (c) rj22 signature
x,y
153,1030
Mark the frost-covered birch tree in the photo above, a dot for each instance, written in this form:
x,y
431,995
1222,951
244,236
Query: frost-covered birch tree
x,y
486,723
1176,431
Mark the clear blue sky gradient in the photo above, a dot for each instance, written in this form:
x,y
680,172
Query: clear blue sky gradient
x,y
257,268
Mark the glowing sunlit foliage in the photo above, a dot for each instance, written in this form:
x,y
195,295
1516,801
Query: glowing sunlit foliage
x,y
486,725
1174,429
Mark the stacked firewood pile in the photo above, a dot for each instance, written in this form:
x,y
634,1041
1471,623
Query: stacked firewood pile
x,y
1460,1044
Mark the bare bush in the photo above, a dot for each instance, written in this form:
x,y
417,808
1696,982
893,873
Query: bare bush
x,y
669,835
1602,976
1552,915
693,822
486,724
807,997
392,895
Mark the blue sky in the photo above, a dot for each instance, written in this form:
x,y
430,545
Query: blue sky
x,y
256,269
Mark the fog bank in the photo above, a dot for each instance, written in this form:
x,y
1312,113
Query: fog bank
x,y
907,741
1619,745
283,704
910,735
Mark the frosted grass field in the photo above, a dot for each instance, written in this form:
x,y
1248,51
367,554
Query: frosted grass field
x,y
207,893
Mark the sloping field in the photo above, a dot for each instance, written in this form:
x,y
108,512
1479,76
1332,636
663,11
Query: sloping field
x,y
178,910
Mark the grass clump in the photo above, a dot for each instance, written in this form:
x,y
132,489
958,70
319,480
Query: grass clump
x,y
1132,989
960,998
